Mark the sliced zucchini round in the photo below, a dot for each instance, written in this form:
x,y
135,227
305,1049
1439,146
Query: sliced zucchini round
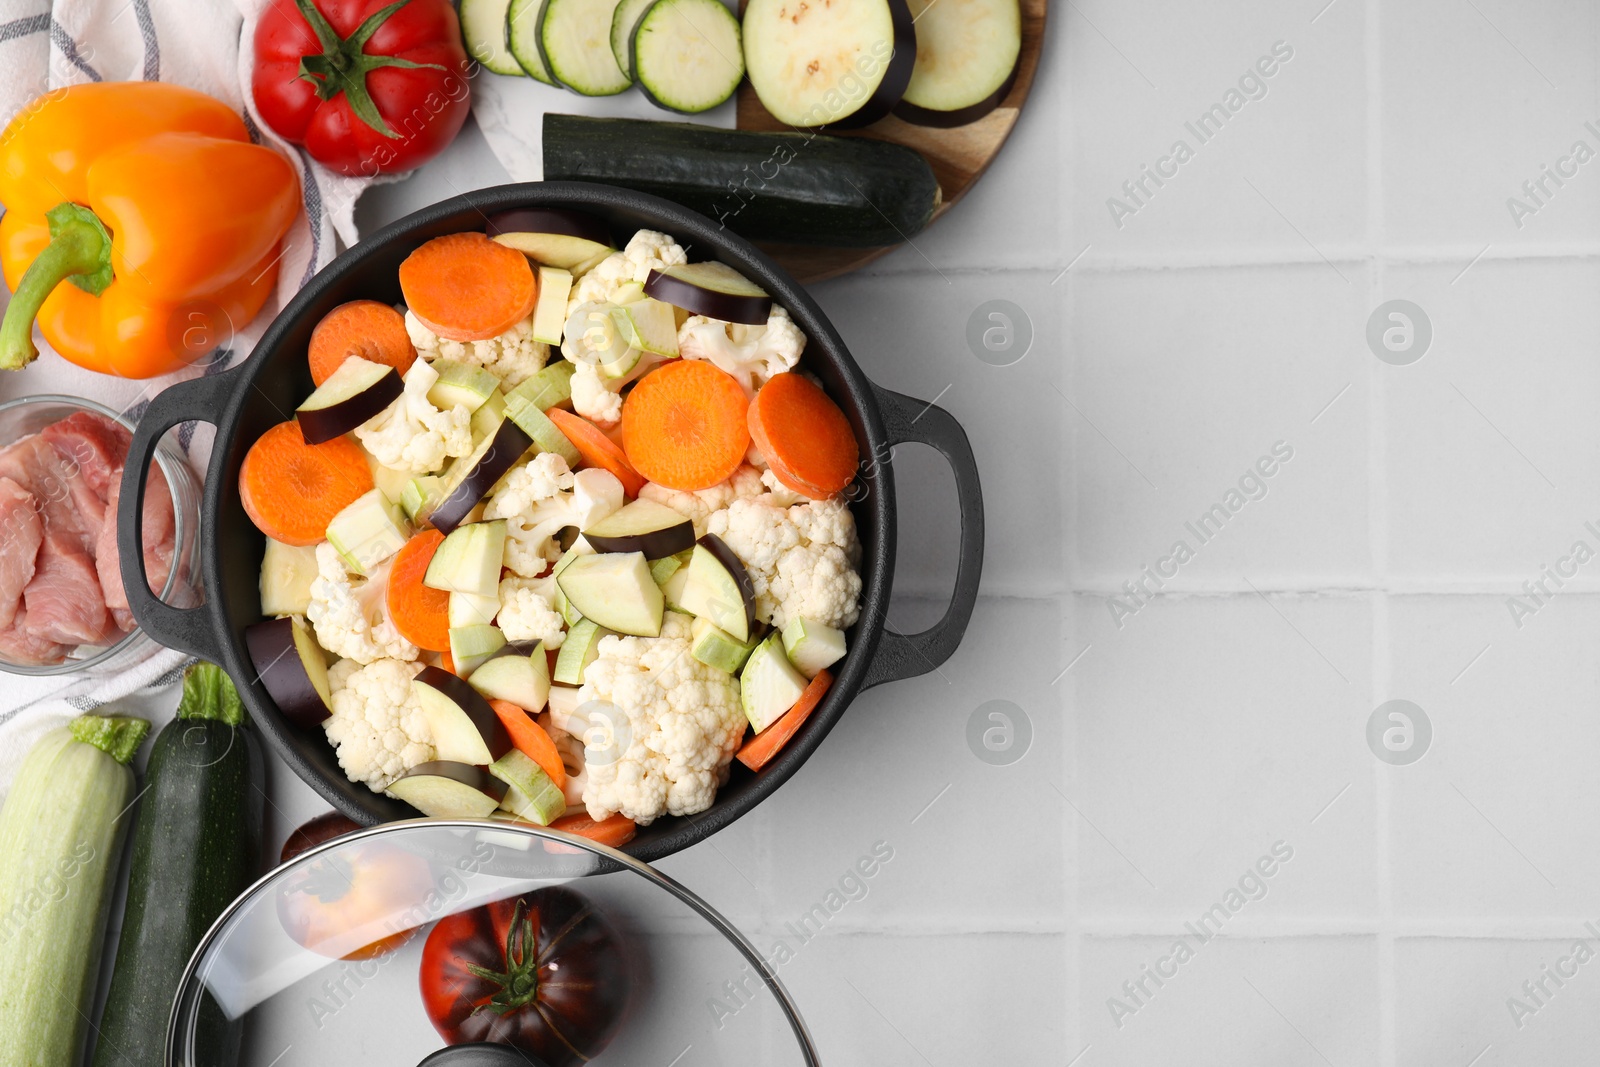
x,y
967,54
575,44
624,20
483,31
522,39
842,63
687,56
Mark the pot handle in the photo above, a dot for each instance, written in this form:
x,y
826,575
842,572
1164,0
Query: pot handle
x,y
186,629
898,656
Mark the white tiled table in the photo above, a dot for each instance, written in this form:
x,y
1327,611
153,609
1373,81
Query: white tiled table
x,y
1225,315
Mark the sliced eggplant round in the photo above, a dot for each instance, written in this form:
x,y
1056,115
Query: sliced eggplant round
x,y
292,666
718,588
465,728
967,52
354,393
686,55
554,237
522,39
712,289
489,466
444,789
615,590
642,526
575,43
483,31
624,20
843,63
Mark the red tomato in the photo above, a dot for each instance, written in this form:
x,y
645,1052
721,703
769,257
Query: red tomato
x,y
366,93
357,901
543,972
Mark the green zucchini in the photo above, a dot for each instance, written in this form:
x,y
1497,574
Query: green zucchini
x,y
197,846
61,835
796,188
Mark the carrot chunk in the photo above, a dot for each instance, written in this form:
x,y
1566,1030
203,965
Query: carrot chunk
x,y
806,439
683,425
365,328
292,490
465,287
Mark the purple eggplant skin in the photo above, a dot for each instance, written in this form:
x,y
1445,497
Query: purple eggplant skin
x,y
578,224
509,445
472,704
655,544
729,307
336,420
895,79
945,120
741,577
277,662
477,778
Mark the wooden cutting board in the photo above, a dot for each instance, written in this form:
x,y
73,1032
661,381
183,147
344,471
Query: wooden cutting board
x,y
958,156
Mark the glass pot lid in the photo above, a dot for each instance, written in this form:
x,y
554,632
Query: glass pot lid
x,y
477,943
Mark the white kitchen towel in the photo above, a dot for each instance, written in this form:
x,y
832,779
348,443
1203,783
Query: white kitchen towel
x,y
204,45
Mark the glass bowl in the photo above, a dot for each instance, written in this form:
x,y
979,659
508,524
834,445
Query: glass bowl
x,y
336,957
30,414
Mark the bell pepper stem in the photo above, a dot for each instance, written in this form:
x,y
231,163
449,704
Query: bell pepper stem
x,y
79,250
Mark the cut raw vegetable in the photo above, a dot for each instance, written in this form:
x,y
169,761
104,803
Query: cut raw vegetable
x,y
615,590
419,612
663,569
354,393
368,329
687,56
812,646
292,667
461,384
292,490
623,22
715,647
806,439
615,831
549,388
420,496
470,609
564,715
464,727
642,526
196,846
554,237
575,42
844,63
531,740
465,287
718,588
550,313
769,684
966,60
651,325
684,425
483,31
759,750
578,650
597,449
471,646
676,582
447,790
287,572
517,674
712,289
390,482
522,38
478,472
546,438
368,531
532,795
61,834
468,561
485,421
597,334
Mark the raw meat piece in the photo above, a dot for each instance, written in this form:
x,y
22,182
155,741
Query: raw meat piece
x,y
67,503
18,644
96,444
158,536
21,530
64,602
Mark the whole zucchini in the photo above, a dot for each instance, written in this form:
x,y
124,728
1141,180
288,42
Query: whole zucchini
x,y
197,847
796,188
61,835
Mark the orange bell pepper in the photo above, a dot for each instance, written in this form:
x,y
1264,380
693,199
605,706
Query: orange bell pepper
x,y
151,202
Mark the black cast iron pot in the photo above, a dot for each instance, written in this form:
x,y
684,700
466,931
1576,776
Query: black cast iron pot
x,y
244,402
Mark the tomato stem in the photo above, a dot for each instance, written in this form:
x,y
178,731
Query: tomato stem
x,y
519,982
343,65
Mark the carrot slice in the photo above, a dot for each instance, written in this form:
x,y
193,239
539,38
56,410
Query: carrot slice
x,y
596,449
419,612
615,831
805,438
364,328
292,490
531,739
683,425
759,750
465,287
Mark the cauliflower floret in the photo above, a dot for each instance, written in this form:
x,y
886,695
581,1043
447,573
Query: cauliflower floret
x,y
528,612
801,559
413,435
678,724
699,505
377,726
543,497
513,357
592,344
571,749
349,614
647,251
752,354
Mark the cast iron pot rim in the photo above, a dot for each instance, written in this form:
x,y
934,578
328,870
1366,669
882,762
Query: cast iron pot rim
x,y
823,342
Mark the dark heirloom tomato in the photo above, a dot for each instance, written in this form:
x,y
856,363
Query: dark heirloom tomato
x,y
543,972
